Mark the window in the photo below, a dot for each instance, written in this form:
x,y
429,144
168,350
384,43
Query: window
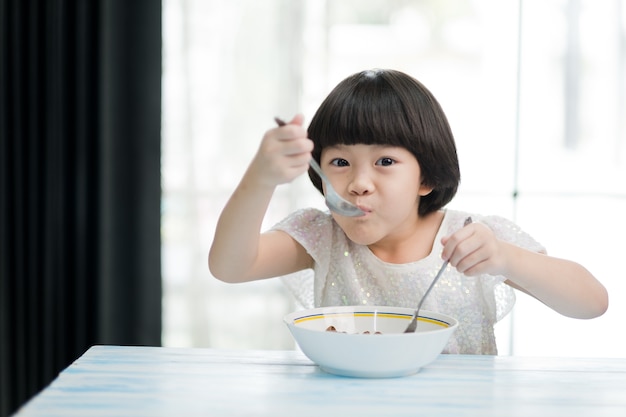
x,y
535,94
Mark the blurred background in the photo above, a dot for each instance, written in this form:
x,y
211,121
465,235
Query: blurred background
x,y
535,92
125,126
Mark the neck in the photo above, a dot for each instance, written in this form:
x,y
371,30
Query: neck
x,y
416,244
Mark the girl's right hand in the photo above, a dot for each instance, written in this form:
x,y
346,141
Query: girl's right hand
x,y
283,155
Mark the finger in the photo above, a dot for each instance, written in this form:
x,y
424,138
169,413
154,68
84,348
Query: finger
x,y
298,119
299,162
468,251
297,147
451,243
475,269
470,256
298,150
291,132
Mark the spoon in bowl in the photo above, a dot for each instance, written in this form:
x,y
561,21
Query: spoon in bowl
x,y
333,200
413,324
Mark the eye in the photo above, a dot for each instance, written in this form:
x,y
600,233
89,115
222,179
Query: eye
x,y
385,161
339,162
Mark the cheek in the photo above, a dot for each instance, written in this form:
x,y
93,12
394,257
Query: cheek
x,y
399,203
401,192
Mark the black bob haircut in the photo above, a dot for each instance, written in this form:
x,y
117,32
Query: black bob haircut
x,y
388,107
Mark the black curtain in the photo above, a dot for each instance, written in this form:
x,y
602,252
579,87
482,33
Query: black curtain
x,y
80,117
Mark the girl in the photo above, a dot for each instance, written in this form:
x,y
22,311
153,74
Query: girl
x,y
386,146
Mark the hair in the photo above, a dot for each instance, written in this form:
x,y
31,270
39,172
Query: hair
x,y
388,107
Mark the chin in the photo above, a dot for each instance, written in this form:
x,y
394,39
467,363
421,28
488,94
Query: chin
x,y
358,232
361,238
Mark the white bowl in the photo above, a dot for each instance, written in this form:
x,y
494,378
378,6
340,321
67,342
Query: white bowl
x,y
351,352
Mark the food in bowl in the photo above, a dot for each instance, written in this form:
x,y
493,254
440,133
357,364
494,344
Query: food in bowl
x,y
332,328
353,350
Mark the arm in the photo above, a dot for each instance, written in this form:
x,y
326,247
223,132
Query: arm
x,y
562,285
239,251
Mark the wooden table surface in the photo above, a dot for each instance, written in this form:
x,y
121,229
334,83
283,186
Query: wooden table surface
x,y
151,381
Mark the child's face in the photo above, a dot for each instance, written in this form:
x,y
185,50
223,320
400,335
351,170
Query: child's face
x,y
385,181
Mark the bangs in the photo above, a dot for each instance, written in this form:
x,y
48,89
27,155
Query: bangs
x,y
366,110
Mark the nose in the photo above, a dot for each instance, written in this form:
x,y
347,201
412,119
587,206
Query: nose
x,y
361,183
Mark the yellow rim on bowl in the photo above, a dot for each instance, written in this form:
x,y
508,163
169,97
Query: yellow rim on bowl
x,y
401,316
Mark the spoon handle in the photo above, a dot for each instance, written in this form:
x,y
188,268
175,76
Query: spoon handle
x,y
443,267
432,284
316,167
413,324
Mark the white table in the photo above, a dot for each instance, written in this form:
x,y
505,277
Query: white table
x,y
149,381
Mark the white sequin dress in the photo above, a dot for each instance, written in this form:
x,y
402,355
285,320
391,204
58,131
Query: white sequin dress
x,y
349,274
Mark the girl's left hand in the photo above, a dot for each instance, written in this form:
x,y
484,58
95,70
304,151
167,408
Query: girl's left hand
x,y
474,250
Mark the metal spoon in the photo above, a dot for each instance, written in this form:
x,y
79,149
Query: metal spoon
x,y
413,324
333,200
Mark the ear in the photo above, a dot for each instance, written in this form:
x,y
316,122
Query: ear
x,y
424,190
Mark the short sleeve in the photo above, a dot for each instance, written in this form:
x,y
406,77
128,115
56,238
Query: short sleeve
x,y
311,228
508,231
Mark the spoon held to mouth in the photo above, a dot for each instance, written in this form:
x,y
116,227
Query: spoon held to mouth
x,y
333,200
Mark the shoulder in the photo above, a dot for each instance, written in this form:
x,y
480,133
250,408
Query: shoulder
x,y
454,219
307,217
307,225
